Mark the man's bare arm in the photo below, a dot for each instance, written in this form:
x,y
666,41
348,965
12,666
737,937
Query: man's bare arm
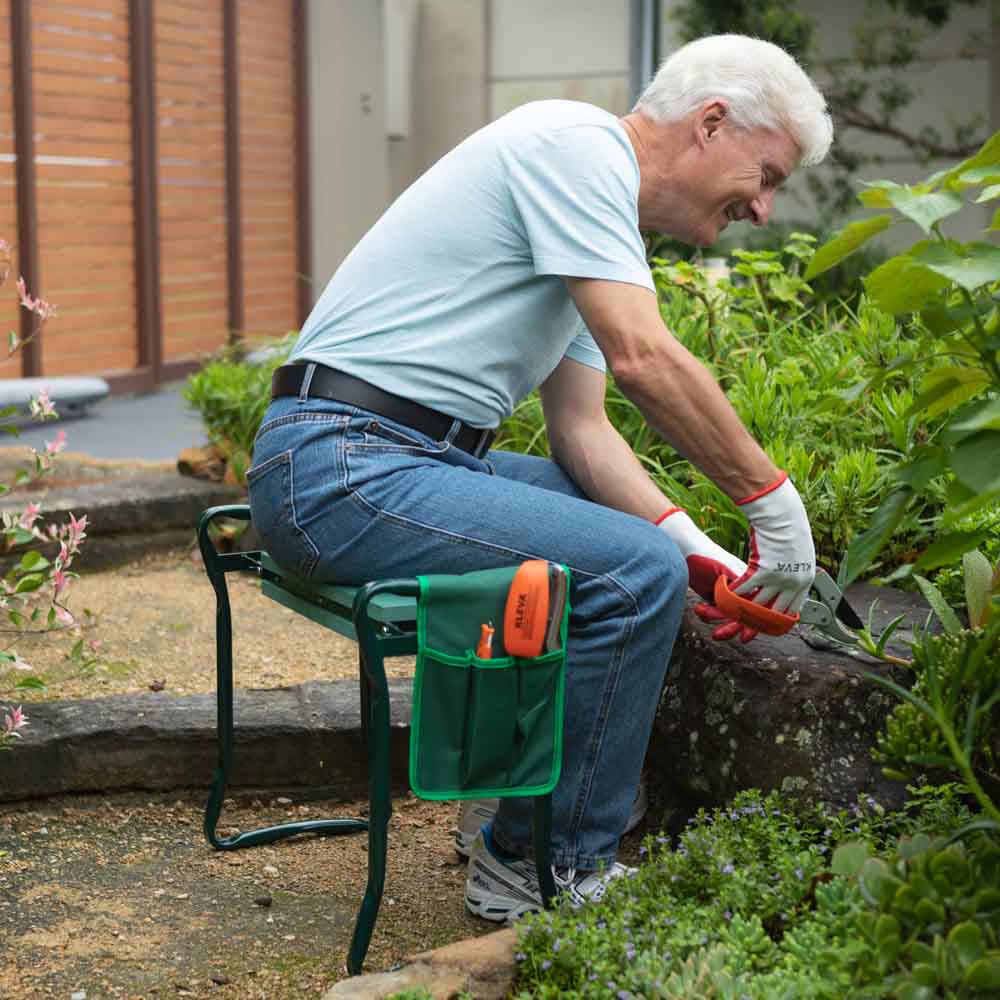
x,y
589,449
673,390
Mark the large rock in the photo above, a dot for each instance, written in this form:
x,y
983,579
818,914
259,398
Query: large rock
x,y
777,713
481,966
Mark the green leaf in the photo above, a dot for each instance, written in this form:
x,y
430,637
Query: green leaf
x,y
946,387
922,470
965,941
32,560
30,684
877,195
981,417
969,265
849,858
939,605
864,547
900,285
978,577
30,583
989,193
849,239
987,157
947,549
981,175
974,461
995,224
925,208
984,974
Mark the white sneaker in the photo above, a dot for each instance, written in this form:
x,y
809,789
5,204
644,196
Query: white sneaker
x,y
474,814
503,891
472,817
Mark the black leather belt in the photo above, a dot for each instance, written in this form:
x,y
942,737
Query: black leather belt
x,y
328,383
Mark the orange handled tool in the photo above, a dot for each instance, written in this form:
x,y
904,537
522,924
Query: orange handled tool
x,y
526,614
485,648
755,616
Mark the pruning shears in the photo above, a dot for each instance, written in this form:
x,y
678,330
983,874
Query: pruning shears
x,y
826,612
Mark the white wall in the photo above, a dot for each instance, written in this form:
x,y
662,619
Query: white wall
x,y
349,168
575,49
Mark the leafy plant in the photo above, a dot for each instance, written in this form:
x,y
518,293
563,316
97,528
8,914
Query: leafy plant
x,y
951,290
231,395
754,902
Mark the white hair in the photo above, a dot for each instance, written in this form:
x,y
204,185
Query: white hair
x,y
762,84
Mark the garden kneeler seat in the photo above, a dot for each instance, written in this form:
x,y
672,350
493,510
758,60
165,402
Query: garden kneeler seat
x,y
427,617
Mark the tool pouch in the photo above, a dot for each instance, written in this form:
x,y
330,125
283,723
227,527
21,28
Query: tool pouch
x,y
481,728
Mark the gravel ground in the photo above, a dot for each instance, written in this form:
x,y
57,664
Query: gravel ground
x,y
155,622
122,897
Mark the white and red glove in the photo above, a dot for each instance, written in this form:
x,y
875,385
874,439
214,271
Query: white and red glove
x,y
782,557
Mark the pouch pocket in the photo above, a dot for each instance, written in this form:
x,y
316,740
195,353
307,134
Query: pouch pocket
x,y
486,728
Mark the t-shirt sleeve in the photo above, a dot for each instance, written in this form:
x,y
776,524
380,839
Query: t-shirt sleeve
x,y
584,349
575,191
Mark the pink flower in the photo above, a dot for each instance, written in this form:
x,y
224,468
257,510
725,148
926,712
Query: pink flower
x,y
29,516
18,664
64,617
13,721
59,581
41,406
77,531
5,247
56,446
42,309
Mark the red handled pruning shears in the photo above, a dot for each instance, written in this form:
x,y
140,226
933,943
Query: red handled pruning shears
x,y
825,611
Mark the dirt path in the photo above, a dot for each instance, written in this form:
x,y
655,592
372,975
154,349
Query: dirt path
x,y
155,622
122,897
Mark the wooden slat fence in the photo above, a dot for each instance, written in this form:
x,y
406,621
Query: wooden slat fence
x,y
152,273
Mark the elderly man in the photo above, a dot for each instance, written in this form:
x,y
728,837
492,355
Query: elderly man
x,y
516,262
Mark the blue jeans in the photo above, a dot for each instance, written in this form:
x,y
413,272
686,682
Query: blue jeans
x,y
340,494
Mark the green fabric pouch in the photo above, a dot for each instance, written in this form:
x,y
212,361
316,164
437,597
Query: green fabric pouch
x,y
481,728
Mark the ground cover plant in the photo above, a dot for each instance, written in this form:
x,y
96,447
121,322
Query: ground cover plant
x,y
758,901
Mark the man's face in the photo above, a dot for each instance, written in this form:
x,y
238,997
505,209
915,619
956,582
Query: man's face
x,y
729,175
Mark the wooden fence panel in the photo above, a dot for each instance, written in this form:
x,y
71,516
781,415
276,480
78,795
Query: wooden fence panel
x,y
190,111
83,156
268,204
10,367
82,93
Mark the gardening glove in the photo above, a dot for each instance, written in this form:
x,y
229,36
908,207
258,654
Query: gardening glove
x,y
706,561
782,556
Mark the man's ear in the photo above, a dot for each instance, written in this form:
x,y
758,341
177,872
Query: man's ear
x,y
710,119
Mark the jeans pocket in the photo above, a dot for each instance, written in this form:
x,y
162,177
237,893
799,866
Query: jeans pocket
x,y
272,510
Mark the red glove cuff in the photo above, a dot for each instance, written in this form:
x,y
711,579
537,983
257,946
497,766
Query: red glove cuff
x,y
664,516
762,493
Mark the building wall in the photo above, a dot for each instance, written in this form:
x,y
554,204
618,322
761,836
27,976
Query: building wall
x,y
474,60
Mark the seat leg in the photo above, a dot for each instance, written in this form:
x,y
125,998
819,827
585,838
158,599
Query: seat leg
x,y
542,828
224,712
380,802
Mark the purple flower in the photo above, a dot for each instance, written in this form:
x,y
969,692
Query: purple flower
x,y
727,869
520,956
546,965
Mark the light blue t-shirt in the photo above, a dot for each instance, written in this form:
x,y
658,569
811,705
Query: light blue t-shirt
x,y
453,298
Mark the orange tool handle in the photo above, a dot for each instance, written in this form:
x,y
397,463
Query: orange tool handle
x,y
755,616
485,648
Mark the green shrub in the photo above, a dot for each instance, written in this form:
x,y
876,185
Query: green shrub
x,y
785,361
754,903
231,396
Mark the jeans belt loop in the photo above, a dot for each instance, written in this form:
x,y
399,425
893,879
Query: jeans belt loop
x,y
483,442
307,381
453,431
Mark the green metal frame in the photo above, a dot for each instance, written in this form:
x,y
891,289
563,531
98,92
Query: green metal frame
x,y
381,617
